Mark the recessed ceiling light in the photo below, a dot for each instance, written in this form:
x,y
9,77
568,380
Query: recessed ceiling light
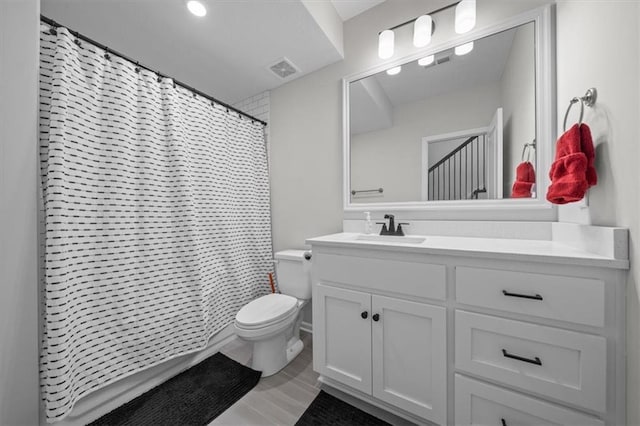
x,y
463,49
394,70
427,60
197,8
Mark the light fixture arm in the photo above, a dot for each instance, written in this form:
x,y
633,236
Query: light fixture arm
x,y
433,26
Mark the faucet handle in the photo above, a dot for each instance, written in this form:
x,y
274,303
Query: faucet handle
x,y
399,230
384,230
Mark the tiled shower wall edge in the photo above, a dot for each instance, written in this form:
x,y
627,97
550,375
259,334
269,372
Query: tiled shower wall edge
x,y
259,107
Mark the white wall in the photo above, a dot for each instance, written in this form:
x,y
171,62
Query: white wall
x,y
519,102
392,158
607,57
19,38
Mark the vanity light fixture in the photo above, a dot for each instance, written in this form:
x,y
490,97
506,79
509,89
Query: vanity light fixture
x,y
465,16
426,61
385,44
197,8
394,70
424,27
463,49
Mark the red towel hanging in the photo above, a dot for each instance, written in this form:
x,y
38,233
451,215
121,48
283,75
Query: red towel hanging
x,y
525,178
573,171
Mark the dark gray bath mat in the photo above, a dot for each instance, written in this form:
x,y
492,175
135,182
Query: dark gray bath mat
x,y
329,410
193,397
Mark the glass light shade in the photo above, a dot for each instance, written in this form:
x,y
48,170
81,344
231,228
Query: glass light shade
x,y
385,44
394,70
463,49
422,31
465,16
427,60
196,8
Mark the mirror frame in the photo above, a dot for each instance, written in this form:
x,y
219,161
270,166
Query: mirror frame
x,y
484,209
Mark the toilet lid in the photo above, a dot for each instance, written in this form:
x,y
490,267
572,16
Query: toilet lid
x,y
266,310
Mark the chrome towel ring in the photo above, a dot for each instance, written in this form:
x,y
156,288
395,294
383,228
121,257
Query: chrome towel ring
x,y
589,99
527,150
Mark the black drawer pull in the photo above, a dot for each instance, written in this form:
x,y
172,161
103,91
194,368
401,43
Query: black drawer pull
x,y
504,422
364,315
535,361
376,317
524,296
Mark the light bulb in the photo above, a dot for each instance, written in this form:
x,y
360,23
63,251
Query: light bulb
x,y
465,16
427,60
394,70
385,44
197,8
422,31
463,49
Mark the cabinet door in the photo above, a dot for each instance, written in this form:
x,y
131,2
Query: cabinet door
x,y
410,356
342,336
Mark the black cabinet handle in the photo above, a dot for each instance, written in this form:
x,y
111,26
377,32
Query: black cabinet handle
x,y
524,296
376,317
364,315
535,361
504,422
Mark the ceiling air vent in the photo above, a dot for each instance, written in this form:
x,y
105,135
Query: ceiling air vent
x,y
443,59
283,68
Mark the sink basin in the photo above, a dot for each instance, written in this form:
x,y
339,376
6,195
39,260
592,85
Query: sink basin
x,y
390,239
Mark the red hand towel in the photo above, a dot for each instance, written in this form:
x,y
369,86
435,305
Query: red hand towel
x,y
525,178
572,172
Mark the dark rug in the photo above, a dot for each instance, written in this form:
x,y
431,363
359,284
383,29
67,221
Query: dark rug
x,y
329,410
194,397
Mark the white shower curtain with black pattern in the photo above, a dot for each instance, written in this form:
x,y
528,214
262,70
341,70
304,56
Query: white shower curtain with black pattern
x,y
157,219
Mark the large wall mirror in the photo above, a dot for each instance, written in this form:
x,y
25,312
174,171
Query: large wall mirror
x,y
451,129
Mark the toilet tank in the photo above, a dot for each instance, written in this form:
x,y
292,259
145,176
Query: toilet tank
x,y
293,271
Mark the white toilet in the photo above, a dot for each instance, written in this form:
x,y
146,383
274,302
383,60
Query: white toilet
x,y
272,322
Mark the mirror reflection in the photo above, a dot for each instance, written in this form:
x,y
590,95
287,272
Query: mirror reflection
x,y
451,126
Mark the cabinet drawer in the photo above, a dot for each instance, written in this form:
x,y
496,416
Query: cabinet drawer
x,y
561,364
578,300
408,278
478,403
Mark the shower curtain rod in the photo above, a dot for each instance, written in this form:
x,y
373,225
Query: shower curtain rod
x,y
125,57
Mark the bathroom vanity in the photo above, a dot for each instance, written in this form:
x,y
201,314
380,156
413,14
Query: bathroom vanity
x,y
456,330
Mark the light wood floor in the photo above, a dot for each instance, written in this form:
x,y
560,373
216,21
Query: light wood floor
x,y
276,400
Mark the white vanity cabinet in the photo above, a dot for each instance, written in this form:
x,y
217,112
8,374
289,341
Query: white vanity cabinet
x,y
472,331
387,348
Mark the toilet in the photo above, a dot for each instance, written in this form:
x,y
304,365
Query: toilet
x,y
272,322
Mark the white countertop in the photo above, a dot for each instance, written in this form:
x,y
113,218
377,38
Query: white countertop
x,y
495,248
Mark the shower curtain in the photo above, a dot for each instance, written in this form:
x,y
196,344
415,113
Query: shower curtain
x,y
157,218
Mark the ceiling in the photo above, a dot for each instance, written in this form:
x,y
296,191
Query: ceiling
x,y
347,9
227,53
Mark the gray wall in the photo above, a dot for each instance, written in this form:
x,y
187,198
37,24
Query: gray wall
x,y
306,124
19,391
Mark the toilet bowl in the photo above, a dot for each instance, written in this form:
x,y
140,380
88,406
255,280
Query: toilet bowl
x,y
272,322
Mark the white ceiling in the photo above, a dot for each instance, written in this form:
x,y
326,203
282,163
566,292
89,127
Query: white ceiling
x,y
347,9
225,54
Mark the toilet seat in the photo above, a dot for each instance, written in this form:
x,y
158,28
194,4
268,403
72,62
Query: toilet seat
x,y
266,310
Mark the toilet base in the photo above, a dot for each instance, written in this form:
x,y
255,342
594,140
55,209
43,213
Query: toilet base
x,y
269,356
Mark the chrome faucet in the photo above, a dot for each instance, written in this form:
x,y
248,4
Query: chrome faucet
x,y
391,229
